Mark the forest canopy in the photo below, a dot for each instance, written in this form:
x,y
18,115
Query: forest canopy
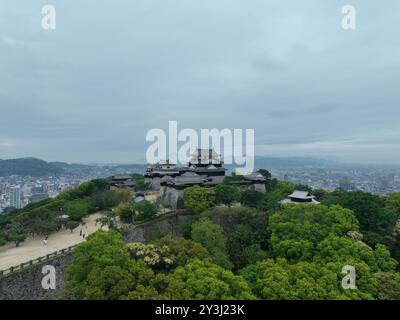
x,y
238,252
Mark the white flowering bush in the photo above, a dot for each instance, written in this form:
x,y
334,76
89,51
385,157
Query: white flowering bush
x,y
153,256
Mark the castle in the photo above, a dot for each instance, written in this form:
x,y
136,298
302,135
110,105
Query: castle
x,y
204,169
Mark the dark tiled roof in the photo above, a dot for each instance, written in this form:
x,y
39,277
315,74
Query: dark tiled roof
x,y
301,195
129,183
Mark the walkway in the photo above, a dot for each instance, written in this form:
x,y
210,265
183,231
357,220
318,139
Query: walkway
x,y
33,248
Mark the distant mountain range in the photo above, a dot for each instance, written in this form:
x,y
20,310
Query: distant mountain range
x,y
287,163
29,166
291,162
38,168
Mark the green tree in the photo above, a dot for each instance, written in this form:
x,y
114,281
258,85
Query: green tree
x,y
211,237
294,250
101,184
3,238
283,189
302,187
108,220
393,204
86,189
198,199
184,250
280,280
251,198
186,230
71,225
9,209
320,194
368,208
142,292
245,230
144,210
227,194
244,246
271,185
308,225
141,185
203,280
125,211
76,209
389,285
377,218
105,200
109,283
101,250
347,251
271,201
16,233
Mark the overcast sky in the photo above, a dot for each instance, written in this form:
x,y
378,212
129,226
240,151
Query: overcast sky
x,y
112,70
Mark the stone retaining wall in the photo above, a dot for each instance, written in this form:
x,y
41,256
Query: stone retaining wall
x,y
26,284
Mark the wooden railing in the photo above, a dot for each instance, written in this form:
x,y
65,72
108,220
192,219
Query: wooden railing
x,y
36,261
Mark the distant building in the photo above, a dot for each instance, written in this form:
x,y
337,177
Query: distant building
x,y
300,197
346,185
37,197
154,173
15,197
37,189
122,182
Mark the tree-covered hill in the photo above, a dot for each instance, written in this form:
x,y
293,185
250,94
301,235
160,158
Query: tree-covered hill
x,y
297,253
29,167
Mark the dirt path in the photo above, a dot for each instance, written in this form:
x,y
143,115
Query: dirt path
x,y
33,247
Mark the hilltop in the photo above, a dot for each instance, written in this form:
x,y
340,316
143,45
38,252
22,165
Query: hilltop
x,y
29,167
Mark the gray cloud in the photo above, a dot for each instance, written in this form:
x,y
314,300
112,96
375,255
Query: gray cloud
x,y
91,89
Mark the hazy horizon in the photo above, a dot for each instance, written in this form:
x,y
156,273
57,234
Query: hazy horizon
x,y
258,158
91,89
